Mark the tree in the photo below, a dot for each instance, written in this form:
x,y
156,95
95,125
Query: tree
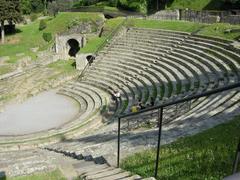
x,y
53,8
25,6
9,11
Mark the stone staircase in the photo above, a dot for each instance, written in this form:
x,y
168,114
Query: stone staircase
x,y
90,168
165,65
145,63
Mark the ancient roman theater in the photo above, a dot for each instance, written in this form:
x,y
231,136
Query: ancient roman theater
x,y
105,89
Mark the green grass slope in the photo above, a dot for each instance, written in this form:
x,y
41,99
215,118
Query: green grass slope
x,y
94,42
54,175
29,36
214,30
202,4
208,155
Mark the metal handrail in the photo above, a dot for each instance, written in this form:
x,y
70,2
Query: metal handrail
x,y
160,117
237,159
102,45
188,98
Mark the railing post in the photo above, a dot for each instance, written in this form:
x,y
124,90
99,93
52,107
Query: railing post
x,y
160,119
118,153
237,158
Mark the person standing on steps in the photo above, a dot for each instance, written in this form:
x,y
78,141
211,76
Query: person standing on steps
x,y
117,95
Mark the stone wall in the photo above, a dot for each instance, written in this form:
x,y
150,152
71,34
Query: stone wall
x,y
166,15
62,46
81,61
232,17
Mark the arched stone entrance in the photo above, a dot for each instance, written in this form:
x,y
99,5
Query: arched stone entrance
x,y
74,47
69,45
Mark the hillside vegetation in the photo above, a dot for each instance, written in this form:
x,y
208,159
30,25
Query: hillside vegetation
x,y
203,4
148,6
207,155
54,175
29,36
215,30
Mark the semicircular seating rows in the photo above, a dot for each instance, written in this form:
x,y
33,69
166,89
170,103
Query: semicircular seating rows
x,y
161,64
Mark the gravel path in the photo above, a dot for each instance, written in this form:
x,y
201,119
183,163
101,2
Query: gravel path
x,y
43,112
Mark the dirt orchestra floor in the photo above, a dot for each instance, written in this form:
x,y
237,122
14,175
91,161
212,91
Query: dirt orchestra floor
x,y
45,111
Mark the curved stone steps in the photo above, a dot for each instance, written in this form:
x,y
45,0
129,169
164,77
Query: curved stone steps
x,y
208,68
186,68
127,76
148,61
200,66
222,67
165,65
143,35
179,69
147,44
234,57
218,64
191,40
108,89
131,91
219,113
210,103
75,94
213,40
106,97
136,75
165,76
93,108
229,64
125,98
148,31
155,40
162,66
137,68
98,101
142,87
118,77
183,73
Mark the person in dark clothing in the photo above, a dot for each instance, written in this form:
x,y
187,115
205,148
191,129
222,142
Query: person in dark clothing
x,y
152,101
140,105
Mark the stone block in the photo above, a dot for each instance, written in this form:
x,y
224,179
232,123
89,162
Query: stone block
x,y
25,61
35,49
20,54
81,61
3,59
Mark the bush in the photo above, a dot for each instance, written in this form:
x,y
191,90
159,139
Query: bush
x,y
42,25
47,37
33,17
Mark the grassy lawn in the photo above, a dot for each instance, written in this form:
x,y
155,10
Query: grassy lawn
x,y
94,42
54,175
191,4
63,66
215,30
5,69
104,5
170,25
199,4
208,155
29,36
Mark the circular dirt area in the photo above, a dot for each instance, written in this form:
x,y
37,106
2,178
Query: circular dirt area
x,y
45,111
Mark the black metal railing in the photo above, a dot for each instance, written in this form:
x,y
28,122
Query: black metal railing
x,y
101,46
237,159
160,109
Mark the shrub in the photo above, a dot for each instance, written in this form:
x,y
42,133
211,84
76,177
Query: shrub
x,y
42,25
33,17
47,37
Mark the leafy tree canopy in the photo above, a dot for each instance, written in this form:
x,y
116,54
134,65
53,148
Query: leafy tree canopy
x,y
10,11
